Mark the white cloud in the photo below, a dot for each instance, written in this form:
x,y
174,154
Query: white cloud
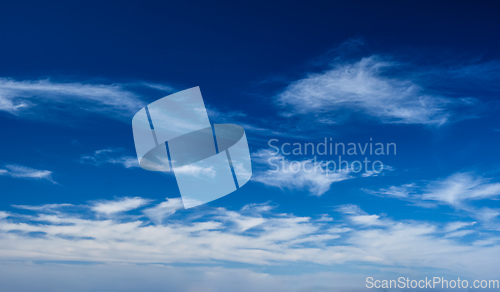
x,y
459,191
456,190
460,233
295,175
306,174
242,222
251,235
325,218
370,173
32,97
110,156
223,117
455,229
44,208
163,210
454,226
485,215
122,205
23,172
394,191
197,171
461,187
359,217
363,86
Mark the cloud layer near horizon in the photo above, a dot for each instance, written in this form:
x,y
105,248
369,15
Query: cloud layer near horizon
x,y
133,230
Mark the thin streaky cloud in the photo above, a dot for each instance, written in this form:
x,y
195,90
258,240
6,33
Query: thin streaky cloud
x,y
109,156
24,172
454,226
32,98
459,191
361,86
43,208
459,188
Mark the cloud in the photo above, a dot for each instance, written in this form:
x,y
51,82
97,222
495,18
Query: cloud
x,y
253,235
476,74
460,188
294,174
454,226
460,233
24,172
394,191
47,208
224,117
312,175
122,205
197,171
110,156
359,217
486,215
364,86
51,100
459,191
209,236
33,97
163,210
370,173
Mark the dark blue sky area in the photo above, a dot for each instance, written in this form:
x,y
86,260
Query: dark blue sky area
x,y
227,43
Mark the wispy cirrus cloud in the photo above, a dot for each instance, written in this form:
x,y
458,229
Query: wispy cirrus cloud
x,y
362,86
32,97
24,172
110,156
43,208
402,191
459,191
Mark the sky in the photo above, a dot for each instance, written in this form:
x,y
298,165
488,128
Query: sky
x,y
78,213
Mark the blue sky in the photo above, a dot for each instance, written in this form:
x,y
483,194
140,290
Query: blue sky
x,y
77,213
